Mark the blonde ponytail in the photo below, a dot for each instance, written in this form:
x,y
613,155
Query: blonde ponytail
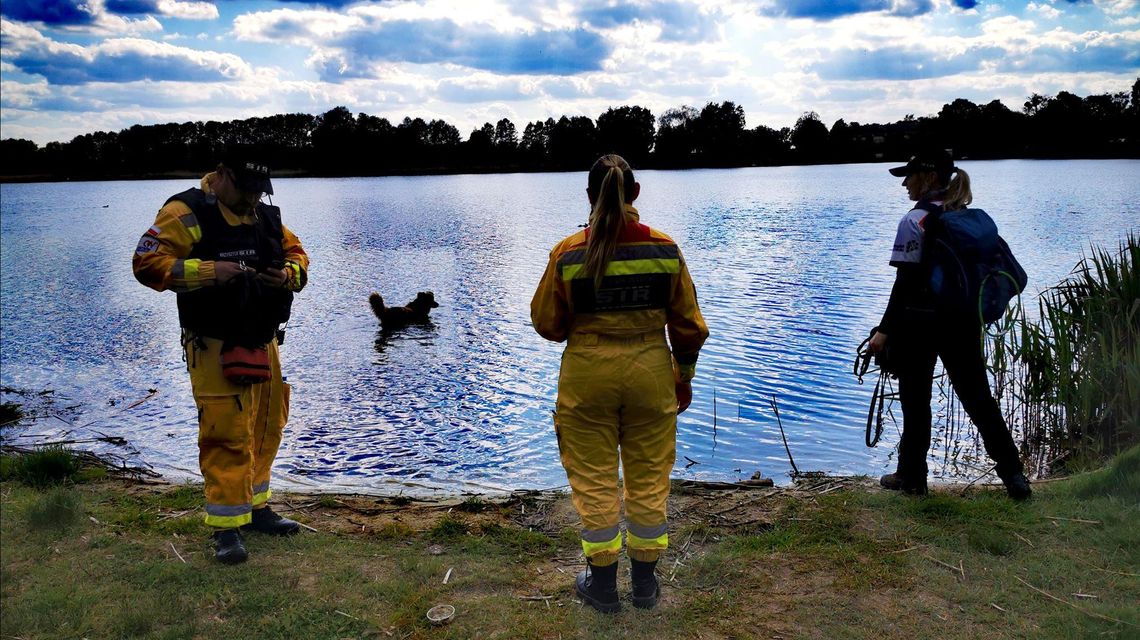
x,y
958,195
610,179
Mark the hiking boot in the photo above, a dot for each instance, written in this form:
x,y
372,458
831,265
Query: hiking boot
x,y
265,521
898,482
597,587
1017,486
229,548
643,577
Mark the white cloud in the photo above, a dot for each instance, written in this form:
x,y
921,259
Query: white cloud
x,y
1118,7
188,10
1046,11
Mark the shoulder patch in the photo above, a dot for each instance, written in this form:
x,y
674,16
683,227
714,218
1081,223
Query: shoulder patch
x,y
147,244
154,230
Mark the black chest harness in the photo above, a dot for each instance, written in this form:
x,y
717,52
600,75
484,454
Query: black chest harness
x,y
242,311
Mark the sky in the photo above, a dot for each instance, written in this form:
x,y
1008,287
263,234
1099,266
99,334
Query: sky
x,y
69,67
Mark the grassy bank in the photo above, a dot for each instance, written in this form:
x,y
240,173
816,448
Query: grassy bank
x,y
834,559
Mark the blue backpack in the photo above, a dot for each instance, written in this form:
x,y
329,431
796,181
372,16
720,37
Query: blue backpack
x,y
972,270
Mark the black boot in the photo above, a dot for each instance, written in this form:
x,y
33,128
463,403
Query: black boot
x,y
265,521
898,482
643,576
229,547
1017,486
597,587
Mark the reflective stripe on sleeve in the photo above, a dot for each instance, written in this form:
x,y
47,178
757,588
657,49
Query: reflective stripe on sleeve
x,y
190,221
184,275
297,282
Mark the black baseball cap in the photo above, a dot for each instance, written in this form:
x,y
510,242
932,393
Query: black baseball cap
x,y
936,160
250,174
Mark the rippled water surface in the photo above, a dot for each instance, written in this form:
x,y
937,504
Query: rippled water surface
x,y
790,265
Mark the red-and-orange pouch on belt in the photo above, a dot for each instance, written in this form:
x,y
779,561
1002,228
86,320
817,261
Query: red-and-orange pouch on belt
x,y
243,365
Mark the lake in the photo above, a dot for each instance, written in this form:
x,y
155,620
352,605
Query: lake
x,y
790,265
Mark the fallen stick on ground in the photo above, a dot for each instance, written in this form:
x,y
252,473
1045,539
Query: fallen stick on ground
x,y
308,527
1078,608
1119,573
172,548
171,516
745,503
1081,520
947,565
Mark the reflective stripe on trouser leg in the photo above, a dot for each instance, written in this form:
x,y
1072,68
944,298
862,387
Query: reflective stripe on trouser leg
x,y
586,422
226,414
261,494
646,543
228,516
268,426
648,441
601,543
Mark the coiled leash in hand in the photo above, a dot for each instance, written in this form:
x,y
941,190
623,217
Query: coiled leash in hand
x,y
863,357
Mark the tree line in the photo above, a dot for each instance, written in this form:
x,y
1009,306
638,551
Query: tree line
x,y
339,143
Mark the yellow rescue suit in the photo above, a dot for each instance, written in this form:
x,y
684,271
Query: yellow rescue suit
x,y
239,426
616,389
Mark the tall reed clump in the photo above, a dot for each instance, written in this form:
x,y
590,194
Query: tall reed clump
x,y
42,468
1071,377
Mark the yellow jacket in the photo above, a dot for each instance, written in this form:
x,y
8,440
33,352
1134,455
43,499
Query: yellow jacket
x,y
646,287
161,258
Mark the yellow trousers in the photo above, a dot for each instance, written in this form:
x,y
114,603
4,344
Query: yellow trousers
x,y
617,400
239,432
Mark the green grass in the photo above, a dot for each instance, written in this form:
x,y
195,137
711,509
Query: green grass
x,y
856,563
58,509
43,467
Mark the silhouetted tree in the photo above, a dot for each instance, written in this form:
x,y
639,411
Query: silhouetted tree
x,y
720,134
334,142
628,132
809,137
19,157
572,143
535,140
506,136
676,140
768,146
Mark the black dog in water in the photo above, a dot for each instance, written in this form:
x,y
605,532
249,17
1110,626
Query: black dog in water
x,y
396,317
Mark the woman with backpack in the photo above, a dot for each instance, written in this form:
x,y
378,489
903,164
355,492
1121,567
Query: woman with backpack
x,y
918,330
613,291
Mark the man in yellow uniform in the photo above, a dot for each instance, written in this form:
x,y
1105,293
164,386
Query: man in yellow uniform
x,y
234,267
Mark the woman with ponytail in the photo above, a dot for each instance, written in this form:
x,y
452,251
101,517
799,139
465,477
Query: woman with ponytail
x,y
614,292
918,333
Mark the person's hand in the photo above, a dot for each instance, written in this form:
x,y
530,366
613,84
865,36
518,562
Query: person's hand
x,y
273,277
684,395
225,271
878,342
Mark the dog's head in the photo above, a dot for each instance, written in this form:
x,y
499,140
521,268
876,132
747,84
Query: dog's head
x,y
424,300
